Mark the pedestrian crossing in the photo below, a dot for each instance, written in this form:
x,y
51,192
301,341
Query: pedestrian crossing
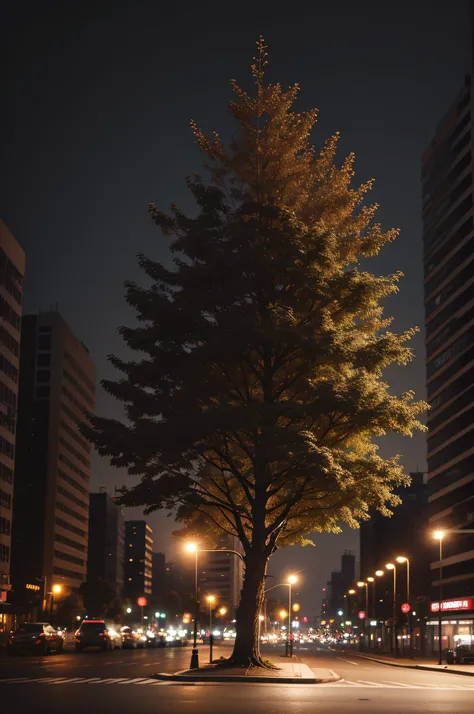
x,y
389,684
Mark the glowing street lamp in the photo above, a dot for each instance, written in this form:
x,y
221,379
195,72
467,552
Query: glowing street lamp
x,y
55,590
222,611
211,600
392,566
439,535
292,579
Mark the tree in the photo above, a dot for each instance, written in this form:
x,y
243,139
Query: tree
x,y
258,390
98,595
68,609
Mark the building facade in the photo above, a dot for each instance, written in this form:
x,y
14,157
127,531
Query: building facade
x,y
447,187
158,574
12,269
106,540
51,505
221,575
138,564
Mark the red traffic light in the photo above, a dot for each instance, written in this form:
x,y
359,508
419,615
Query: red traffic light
x,y
141,602
406,607
361,615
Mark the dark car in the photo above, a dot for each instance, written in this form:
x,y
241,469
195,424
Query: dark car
x,y
131,639
95,633
38,637
462,654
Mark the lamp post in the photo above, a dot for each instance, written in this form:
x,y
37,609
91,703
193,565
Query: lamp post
x,y
55,590
192,548
211,600
392,566
292,579
403,559
363,584
378,574
439,535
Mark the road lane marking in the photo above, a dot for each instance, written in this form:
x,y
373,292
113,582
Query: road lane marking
x,y
400,684
372,684
349,662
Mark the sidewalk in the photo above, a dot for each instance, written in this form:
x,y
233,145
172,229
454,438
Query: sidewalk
x,y
416,663
295,672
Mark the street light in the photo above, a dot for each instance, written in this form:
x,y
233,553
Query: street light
x,y
222,611
211,600
439,535
363,584
55,590
292,579
392,566
192,548
403,559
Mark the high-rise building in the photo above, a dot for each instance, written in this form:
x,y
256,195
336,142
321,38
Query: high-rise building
x,y
53,468
12,269
221,574
138,564
383,539
106,540
159,573
447,188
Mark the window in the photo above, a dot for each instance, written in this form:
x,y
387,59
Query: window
x,y
4,553
74,468
71,497
68,558
79,371
42,392
4,526
45,343
44,359
65,509
7,396
43,375
9,314
75,434
73,482
68,527
74,575
8,368
74,452
6,474
70,543
83,392
7,448
9,341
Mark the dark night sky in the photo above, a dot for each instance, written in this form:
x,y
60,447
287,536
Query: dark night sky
x,y
97,105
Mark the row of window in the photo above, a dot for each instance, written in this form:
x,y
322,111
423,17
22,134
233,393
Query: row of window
x,y
454,261
454,349
451,328
68,558
7,396
73,482
8,368
74,416
6,474
73,400
79,388
74,433
73,467
464,398
64,492
451,287
442,230
4,553
68,527
74,575
69,358
7,448
464,359
451,499
69,511
450,310
5,526
454,427
8,341
70,543
449,452
9,314
74,452
442,206
7,419
452,474
10,277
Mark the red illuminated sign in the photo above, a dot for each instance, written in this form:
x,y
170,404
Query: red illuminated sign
x,y
448,605
361,615
405,607
141,602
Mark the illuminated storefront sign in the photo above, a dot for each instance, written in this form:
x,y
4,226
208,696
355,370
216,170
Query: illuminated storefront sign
x,y
30,586
447,605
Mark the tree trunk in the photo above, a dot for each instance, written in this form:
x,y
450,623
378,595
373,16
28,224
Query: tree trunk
x,y
247,641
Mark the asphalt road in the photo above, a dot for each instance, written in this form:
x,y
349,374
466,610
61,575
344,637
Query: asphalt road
x,y
121,682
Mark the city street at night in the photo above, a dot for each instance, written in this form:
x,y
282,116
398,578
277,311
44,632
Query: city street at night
x,y
71,685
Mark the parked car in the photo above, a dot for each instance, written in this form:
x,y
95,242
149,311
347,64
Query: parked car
x,y
132,639
95,633
38,637
462,654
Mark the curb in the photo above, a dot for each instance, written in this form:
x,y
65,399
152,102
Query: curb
x,y
242,678
426,667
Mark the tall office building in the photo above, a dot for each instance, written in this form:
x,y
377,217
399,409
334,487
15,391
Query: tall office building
x,y
221,574
106,540
447,186
53,468
12,268
138,566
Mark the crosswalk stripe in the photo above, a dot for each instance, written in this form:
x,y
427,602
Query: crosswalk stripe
x,y
146,681
111,680
133,681
372,684
68,681
352,684
399,684
16,679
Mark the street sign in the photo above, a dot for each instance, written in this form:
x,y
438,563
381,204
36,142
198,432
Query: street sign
x,y
406,607
141,602
361,615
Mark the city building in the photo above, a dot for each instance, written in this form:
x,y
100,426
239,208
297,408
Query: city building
x,y
333,601
12,269
53,466
106,540
159,574
384,539
221,574
138,564
448,255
